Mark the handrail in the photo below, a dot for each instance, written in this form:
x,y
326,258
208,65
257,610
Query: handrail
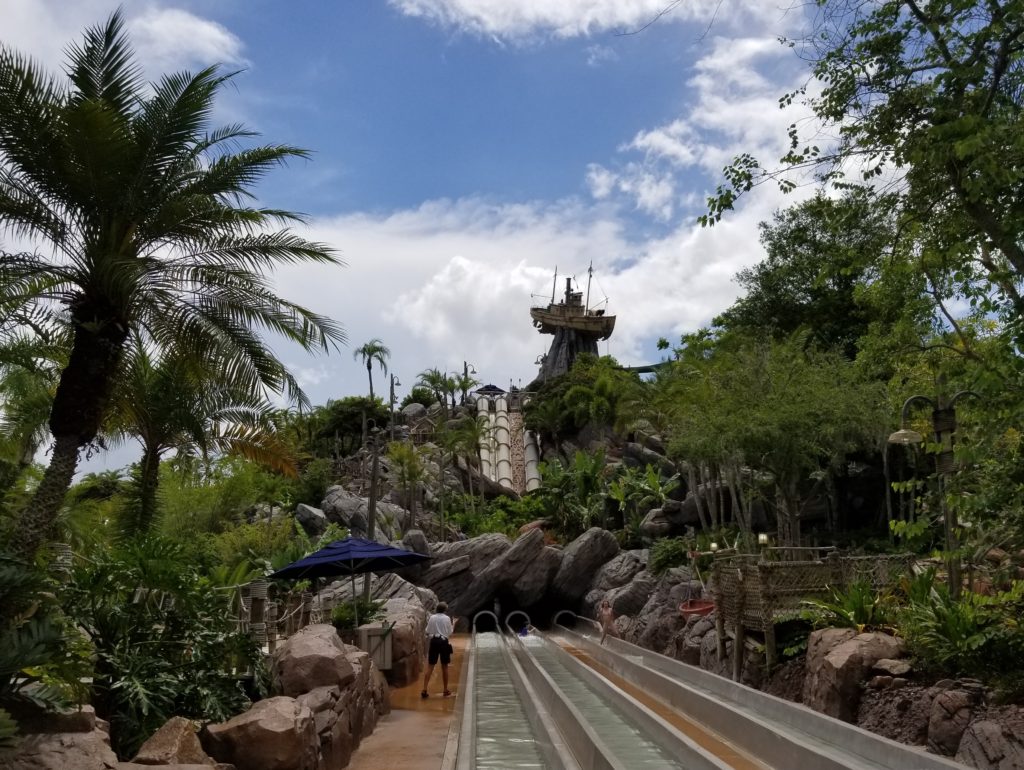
x,y
781,733
508,619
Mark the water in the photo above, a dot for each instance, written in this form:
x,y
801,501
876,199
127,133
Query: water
x,y
504,738
623,738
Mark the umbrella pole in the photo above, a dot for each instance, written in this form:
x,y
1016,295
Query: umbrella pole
x,y
355,604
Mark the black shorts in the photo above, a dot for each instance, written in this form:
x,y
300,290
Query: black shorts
x,y
439,648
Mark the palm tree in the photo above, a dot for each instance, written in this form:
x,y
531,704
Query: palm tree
x,y
174,403
438,383
142,210
374,350
29,367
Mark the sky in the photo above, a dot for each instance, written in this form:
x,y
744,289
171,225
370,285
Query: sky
x,y
462,150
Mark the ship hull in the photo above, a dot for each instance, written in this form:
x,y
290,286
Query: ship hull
x,y
548,321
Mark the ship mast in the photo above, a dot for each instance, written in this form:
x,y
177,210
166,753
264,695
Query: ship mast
x,y
590,274
554,285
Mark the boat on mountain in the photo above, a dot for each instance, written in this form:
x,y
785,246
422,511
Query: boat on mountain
x,y
572,312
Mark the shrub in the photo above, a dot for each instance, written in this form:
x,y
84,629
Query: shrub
x,y
858,606
163,641
344,616
975,635
668,552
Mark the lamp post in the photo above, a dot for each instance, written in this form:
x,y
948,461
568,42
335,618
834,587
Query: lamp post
x,y
944,426
467,369
371,502
391,404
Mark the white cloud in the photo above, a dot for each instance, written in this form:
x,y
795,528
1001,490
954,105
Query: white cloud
x,y
599,54
165,38
600,181
170,39
523,20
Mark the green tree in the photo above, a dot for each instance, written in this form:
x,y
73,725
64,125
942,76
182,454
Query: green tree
x,y
408,465
171,403
440,384
142,206
820,256
778,408
29,368
370,352
928,98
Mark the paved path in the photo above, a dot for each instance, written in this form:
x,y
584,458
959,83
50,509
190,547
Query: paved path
x,y
414,734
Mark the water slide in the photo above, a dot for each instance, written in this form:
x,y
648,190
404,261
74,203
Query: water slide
x,y
563,700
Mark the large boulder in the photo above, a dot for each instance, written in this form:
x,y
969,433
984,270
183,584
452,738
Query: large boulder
x,y
580,560
617,572
342,507
990,745
415,541
639,456
449,578
61,751
631,598
314,657
414,411
501,573
312,520
656,524
837,661
481,550
951,713
176,743
275,734
533,583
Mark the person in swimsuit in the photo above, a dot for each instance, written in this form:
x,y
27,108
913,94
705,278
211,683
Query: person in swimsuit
x,y
606,618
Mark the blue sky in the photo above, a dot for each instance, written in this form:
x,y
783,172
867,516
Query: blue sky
x,y
464,148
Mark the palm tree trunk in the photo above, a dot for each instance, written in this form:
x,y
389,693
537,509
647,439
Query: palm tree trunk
x,y
369,374
149,480
79,406
36,523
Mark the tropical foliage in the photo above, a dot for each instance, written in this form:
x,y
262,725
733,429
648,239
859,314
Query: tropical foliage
x,y
104,158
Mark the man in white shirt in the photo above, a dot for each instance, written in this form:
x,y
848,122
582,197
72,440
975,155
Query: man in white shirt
x,y
439,629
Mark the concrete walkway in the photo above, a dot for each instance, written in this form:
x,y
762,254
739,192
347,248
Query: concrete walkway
x,y
414,734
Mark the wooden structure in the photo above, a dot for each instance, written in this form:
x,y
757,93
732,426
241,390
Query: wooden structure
x,y
572,313
754,592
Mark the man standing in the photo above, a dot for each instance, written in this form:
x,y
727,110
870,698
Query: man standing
x,y
439,629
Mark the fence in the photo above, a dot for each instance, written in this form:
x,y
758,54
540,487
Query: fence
x,y
756,591
270,615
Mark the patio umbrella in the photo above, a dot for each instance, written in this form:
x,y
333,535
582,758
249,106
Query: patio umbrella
x,y
351,556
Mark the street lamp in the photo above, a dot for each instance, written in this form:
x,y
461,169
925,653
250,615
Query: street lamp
x,y
391,404
467,369
944,426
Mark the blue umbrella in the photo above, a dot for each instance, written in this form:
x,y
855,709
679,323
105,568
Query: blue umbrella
x,y
351,556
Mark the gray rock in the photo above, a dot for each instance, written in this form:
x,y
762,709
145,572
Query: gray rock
x,y
481,550
176,743
620,570
275,734
892,667
951,714
533,583
61,751
502,572
988,745
414,411
837,661
312,520
314,657
656,524
639,456
631,598
580,560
